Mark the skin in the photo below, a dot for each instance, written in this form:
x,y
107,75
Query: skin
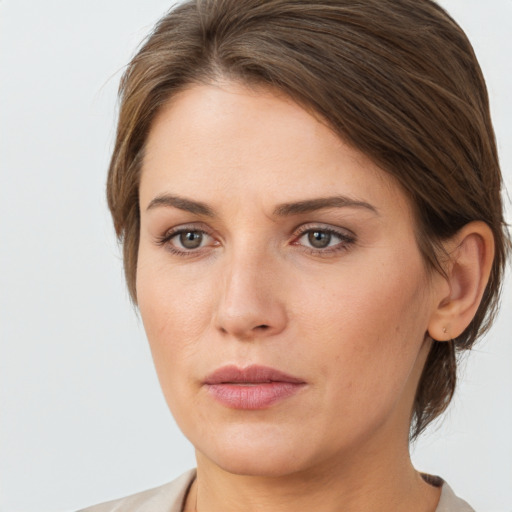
x,y
349,319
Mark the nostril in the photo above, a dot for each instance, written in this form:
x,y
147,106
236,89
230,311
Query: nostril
x,y
262,327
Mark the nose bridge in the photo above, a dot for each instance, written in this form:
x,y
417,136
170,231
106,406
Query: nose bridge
x,y
249,303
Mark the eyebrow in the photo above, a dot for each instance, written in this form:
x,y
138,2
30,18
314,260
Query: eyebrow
x,y
282,210
181,203
311,205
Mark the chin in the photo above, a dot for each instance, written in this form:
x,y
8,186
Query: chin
x,y
258,465
262,454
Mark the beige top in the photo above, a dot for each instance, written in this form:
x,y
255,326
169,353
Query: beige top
x,y
170,498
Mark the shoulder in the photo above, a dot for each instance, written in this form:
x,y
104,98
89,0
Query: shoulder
x,y
449,502
168,497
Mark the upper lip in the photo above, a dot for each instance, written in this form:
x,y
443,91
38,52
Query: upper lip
x,y
253,374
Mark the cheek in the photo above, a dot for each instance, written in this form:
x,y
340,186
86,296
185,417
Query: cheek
x,y
175,309
366,328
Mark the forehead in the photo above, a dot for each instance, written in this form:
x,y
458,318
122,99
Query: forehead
x,y
228,140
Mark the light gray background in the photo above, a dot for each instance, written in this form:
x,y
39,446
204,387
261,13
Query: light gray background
x,y
82,416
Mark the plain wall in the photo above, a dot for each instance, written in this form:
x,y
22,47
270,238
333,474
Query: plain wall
x,y
82,418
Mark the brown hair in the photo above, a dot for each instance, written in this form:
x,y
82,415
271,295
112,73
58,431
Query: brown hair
x,y
397,79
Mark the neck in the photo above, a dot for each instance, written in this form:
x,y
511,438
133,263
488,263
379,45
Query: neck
x,y
361,482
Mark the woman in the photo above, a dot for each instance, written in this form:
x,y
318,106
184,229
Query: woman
x,y
308,197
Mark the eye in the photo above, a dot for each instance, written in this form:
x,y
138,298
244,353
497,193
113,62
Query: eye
x,y
185,240
319,239
189,239
324,240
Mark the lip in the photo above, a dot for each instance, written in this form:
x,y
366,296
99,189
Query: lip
x,y
251,388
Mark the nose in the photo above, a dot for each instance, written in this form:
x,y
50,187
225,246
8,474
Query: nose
x,y
251,300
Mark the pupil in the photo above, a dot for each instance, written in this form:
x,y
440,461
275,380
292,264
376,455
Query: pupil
x,y
319,239
191,239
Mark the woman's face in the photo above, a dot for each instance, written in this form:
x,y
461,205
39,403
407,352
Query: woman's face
x,y
280,284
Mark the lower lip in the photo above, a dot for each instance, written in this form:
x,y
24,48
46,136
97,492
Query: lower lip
x,y
253,396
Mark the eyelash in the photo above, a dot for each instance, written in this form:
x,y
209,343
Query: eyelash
x,y
345,240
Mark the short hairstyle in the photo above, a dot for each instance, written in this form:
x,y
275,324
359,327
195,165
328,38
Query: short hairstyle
x,y
396,79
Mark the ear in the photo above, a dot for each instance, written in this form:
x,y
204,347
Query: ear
x,y
470,256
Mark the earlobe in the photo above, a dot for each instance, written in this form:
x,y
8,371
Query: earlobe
x,y
470,256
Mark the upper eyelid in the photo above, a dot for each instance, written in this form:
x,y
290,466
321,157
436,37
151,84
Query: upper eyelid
x,y
304,228
180,228
344,238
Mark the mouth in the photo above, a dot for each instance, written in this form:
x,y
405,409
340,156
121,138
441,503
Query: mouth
x,y
251,388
